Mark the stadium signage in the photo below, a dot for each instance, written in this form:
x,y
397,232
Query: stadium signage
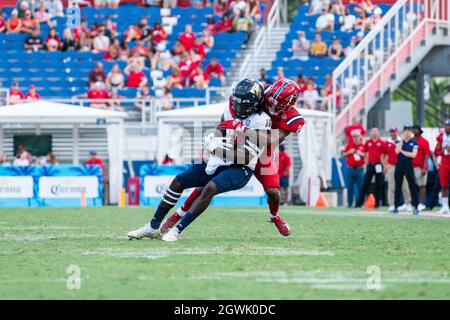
x,y
16,187
68,187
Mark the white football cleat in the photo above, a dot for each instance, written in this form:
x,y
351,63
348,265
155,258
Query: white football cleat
x,y
421,207
403,207
172,235
145,232
409,207
444,211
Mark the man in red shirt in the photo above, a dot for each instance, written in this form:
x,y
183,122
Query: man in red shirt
x,y
158,33
284,167
215,70
375,148
98,95
136,78
355,155
187,38
443,148
420,164
32,95
355,126
389,171
15,95
95,160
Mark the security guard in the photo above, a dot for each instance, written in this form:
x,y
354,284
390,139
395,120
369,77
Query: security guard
x,y
406,149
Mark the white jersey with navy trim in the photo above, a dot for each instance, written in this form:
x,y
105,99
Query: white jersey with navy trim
x,y
257,121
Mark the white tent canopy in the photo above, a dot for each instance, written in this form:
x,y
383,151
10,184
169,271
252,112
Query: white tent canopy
x,y
47,113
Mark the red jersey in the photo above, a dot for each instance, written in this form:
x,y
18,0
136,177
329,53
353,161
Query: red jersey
x,y
375,149
354,160
95,162
284,162
443,141
15,95
135,79
216,70
30,96
159,35
422,153
290,121
392,157
187,40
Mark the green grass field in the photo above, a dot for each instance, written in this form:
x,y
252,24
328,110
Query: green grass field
x,y
229,253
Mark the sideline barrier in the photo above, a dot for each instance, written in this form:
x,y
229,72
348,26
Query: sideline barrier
x,y
50,186
155,180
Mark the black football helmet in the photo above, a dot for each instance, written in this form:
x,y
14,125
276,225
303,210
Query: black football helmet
x,y
247,98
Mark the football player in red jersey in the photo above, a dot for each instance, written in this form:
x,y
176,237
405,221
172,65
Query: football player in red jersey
x,y
279,103
443,146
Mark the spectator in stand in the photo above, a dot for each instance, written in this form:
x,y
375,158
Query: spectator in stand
x,y
300,47
355,161
2,23
21,161
351,46
15,95
223,25
220,7
124,52
254,10
364,6
95,160
243,23
198,78
133,33
97,75
389,170
310,96
115,78
80,30
420,164
22,153
113,4
375,148
316,7
54,8
98,95
41,15
29,24
145,29
302,83
327,94
363,23
280,74
68,41
143,95
136,77
318,47
200,48
175,80
187,38
376,17
22,6
14,24
101,41
170,3
48,160
4,161
167,99
347,21
208,40
356,126
325,21
335,50
52,42
215,70
114,101
284,168
263,78
158,33
33,42
186,65
32,95
177,51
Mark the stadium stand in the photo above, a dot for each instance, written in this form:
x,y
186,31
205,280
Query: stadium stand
x,y
63,74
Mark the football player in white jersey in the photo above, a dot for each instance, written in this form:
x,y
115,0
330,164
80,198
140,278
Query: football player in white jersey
x,y
230,166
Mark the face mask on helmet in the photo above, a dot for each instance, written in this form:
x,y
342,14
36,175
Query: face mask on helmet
x,y
243,109
275,108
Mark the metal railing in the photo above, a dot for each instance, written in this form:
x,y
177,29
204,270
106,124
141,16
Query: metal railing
x,y
263,38
353,78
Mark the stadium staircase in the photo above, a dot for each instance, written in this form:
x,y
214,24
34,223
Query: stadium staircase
x,y
388,55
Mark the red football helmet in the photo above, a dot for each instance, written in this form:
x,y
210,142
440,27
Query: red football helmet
x,y
282,96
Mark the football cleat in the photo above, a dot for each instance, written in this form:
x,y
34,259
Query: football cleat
x,y
444,211
421,207
172,235
283,228
394,210
145,232
170,222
